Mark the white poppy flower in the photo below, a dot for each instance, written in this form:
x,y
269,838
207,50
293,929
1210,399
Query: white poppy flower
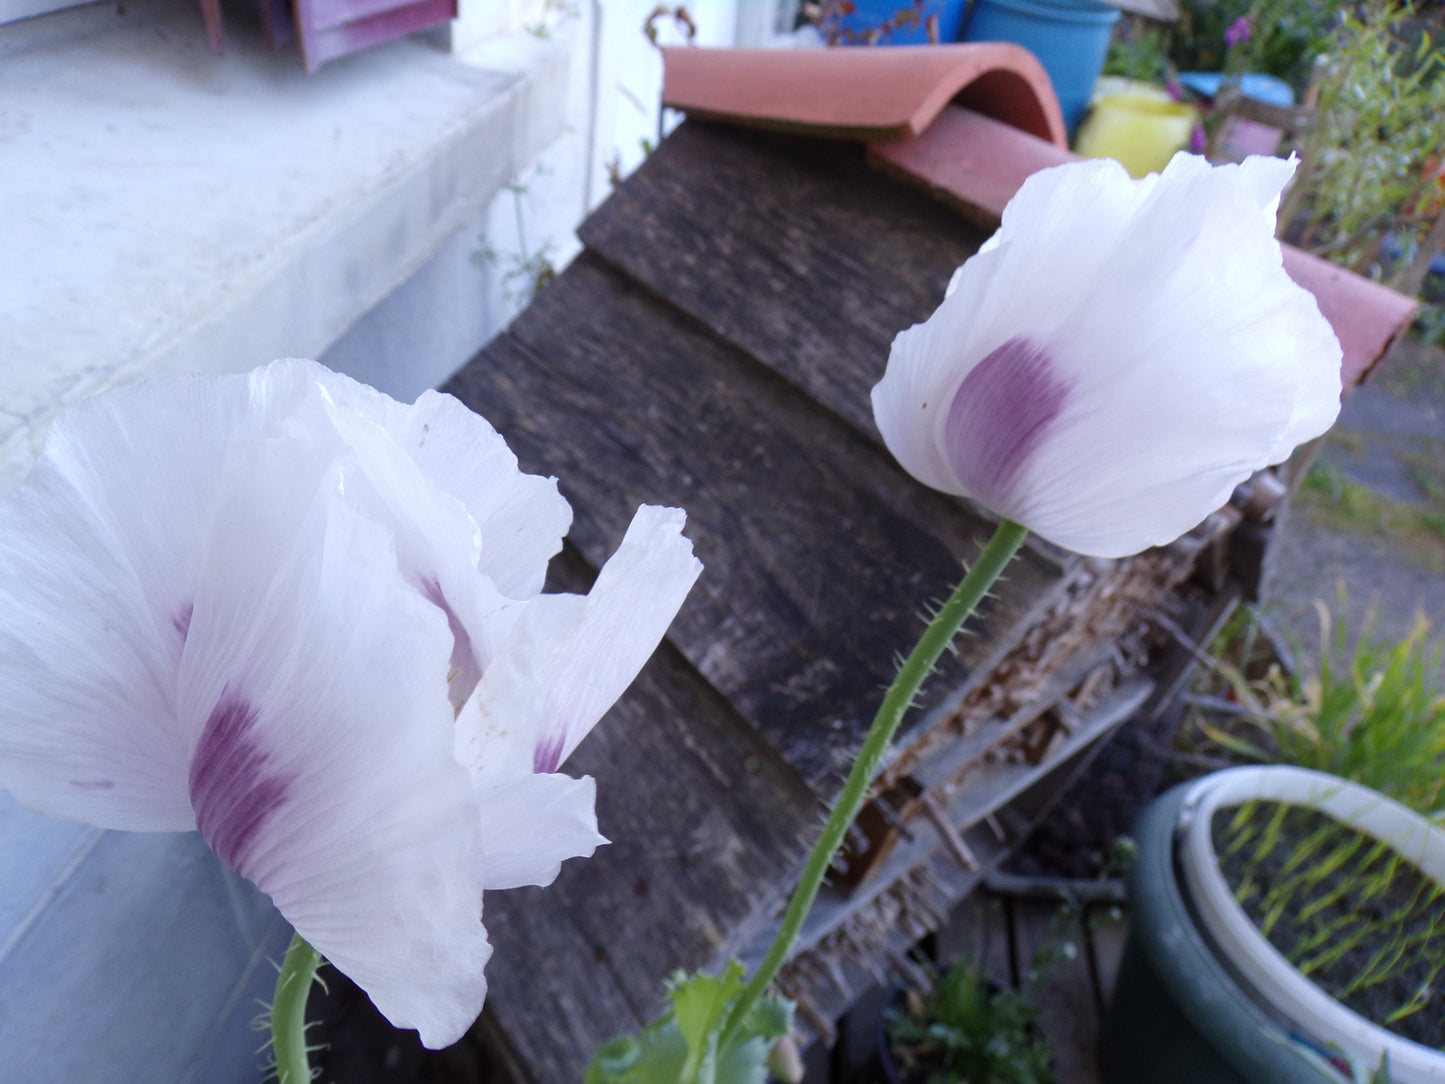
x,y
1117,358
304,618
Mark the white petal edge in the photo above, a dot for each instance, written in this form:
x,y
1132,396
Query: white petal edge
x,y
1198,361
97,573
88,728
1065,272
570,657
533,823
522,518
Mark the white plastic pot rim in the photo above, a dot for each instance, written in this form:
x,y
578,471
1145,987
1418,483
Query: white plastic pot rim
x,y
1276,981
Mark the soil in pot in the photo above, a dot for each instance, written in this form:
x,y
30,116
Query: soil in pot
x,y
1360,921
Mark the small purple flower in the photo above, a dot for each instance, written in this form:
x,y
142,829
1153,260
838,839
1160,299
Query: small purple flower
x,y
1238,32
1197,140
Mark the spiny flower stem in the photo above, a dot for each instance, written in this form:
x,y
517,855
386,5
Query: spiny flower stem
x,y
288,1012
900,696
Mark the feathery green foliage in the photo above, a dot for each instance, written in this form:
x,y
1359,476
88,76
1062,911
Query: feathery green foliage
x,y
966,1030
1371,715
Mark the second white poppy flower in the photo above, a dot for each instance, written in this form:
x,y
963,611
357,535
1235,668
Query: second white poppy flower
x,y
1117,357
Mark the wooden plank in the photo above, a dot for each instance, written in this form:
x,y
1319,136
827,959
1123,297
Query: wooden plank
x,y
830,976
326,34
791,248
819,551
974,931
1046,931
708,828
995,788
538,1011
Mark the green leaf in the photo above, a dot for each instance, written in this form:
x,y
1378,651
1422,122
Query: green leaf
x,y
613,1061
700,1004
681,1047
771,1018
656,1056
745,1061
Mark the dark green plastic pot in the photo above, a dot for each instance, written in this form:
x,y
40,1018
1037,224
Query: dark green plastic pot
x,y
1178,1016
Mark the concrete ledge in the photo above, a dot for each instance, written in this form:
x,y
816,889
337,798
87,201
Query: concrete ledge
x,y
165,210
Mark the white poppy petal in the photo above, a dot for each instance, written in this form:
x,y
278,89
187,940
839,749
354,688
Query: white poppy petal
x,y
96,585
521,518
1122,357
570,658
914,391
438,542
1001,413
323,767
87,670
448,486
533,823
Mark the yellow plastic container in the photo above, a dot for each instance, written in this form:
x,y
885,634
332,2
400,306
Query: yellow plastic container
x,y
1109,85
1141,132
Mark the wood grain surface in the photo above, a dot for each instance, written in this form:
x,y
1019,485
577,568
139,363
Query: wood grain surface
x,y
819,552
713,350
793,249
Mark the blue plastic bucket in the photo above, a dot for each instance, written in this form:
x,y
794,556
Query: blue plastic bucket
x,y
1070,38
870,14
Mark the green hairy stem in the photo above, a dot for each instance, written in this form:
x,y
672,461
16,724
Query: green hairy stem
x,y
935,640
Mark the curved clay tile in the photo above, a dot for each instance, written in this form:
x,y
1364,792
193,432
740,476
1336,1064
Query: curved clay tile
x,y
862,93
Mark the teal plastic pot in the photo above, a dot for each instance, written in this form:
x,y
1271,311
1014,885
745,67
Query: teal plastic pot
x,y
1178,1015
1070,38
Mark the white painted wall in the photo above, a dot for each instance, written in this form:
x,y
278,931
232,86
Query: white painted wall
x,y
613,115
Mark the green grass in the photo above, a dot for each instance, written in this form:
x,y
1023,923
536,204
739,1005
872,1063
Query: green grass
x,y
1427,467
1416,531
1368,712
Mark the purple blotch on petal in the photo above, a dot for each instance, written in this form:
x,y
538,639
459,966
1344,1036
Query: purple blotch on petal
x,y
232,791
465,672
547,757
93,784
999,416
182,620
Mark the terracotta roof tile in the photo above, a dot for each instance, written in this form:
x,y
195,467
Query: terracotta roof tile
x,y
866,94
